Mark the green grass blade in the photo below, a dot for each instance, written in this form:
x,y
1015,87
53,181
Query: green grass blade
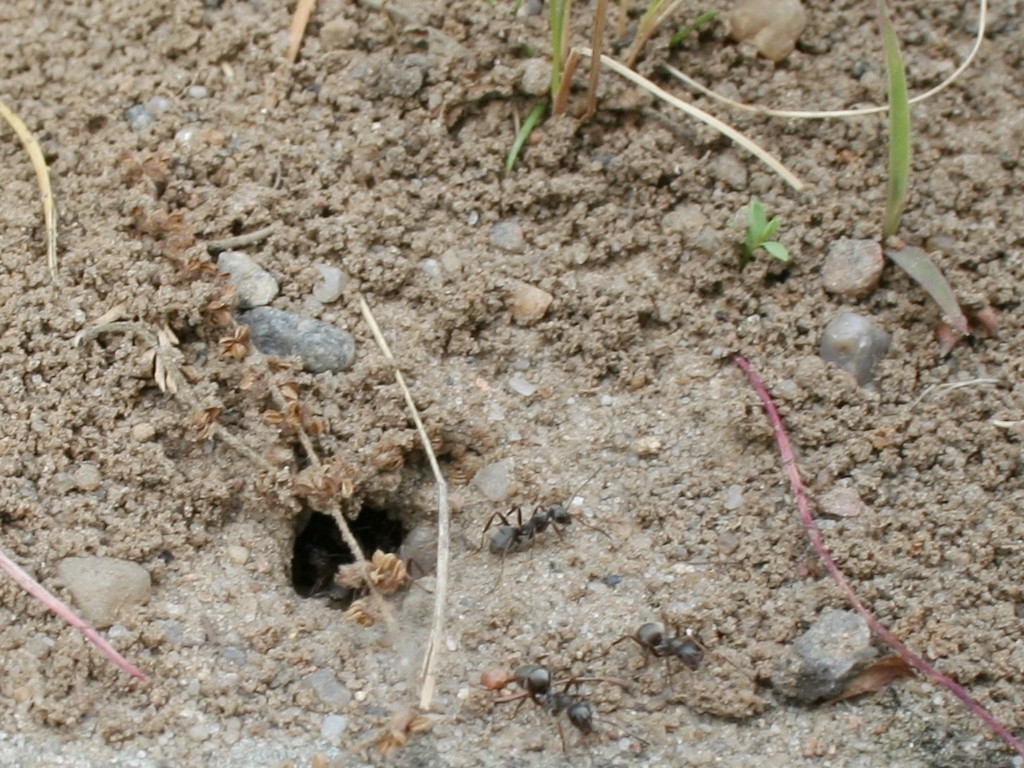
x,y
557,13
703,20
899,127
524,133
915,262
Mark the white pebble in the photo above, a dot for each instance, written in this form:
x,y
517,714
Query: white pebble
x,y
522,386
773,26
733,497
331,285
333,727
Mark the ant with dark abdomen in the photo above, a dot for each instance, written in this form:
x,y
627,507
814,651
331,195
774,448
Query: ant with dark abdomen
x,y
510,537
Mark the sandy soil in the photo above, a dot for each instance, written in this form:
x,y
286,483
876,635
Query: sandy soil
x,y
381,152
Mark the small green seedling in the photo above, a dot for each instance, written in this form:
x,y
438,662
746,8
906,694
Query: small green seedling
x,y
759,234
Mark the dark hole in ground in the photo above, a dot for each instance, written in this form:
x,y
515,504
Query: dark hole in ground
x,y
319,549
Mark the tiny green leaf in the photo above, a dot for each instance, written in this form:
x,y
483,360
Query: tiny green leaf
x,y
756,217
770,229
915,262
777,250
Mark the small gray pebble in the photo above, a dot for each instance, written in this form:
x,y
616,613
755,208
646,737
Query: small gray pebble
x,y
536,78
852,267
256,287
612,581
333,727
822,659
104,587
325,685
321,346
87,477
733,497
854,344
508,236
495,480
139,117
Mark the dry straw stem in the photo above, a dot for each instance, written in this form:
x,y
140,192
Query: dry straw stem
x,y
303,10
687,108
803,505
40,593
428,674
28,141
950,385
841,113
656,12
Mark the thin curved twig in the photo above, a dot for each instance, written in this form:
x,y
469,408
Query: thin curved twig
x,y
803,505
35,154
839,113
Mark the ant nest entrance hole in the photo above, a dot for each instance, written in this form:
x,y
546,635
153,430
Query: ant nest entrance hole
x,y
319,550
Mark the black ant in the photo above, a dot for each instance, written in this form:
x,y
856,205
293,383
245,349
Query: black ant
x,y
513,537
538,685
652,640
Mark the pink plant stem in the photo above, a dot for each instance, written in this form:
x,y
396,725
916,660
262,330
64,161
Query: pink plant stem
x,y
793,473
39,592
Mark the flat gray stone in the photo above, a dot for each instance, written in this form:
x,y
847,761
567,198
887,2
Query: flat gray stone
x,y
821,660
321,346
104,588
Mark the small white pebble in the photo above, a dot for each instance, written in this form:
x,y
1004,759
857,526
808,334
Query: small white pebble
x,y
333,727
520,385
331,285
143,432
238,555
733,497
198,91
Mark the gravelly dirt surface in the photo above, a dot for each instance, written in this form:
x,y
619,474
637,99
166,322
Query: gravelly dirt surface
x,y
381,152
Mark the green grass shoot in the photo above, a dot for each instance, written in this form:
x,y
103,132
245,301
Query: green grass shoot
x,y
531,121
684,32
759,235
914,261
899,127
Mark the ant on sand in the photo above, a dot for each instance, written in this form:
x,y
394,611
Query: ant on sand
x,y
510,537
652,640
537,685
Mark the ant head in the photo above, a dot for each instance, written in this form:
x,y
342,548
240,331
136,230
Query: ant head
x,y
559,515
581,715
651,634
688,652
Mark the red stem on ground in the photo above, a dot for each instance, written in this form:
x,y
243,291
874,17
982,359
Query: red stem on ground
x,y
793,473
40,593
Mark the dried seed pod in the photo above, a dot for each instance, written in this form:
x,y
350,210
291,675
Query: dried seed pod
x,y
362,613
236,344
405,723
387,572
